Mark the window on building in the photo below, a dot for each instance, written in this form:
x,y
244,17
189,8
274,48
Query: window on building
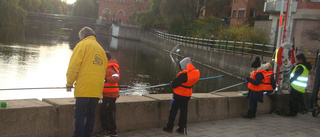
x,y
234,13
252,13
241,13
106,11
235,1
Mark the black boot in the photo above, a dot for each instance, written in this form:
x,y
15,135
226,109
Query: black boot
x,y
180,130
250,114
254,113
290,114
167,129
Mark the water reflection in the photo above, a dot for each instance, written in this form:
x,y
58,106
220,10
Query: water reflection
x,y
38,56
113,44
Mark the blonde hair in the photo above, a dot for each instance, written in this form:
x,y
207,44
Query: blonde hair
x,y
85,32
265,66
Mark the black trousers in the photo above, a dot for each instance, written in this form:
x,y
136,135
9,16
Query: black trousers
x,y
295,101
253,104
177,104
107,114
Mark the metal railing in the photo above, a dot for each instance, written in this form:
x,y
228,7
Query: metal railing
x,y
60,18
234,47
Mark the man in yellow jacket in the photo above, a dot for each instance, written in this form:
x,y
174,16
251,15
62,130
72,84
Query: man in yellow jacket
x,y
87,68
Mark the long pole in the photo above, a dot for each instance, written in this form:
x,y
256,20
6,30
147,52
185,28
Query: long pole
x,y
278,72
57,88
167,84
228,87
276,66
316,85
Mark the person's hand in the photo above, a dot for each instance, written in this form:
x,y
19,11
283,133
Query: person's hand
x,y
170,84
248,79
68,89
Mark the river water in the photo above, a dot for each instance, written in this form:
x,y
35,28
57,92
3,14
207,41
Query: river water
x,y
37,56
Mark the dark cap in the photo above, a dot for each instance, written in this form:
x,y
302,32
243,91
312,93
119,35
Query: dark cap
x,y
108,55
256,63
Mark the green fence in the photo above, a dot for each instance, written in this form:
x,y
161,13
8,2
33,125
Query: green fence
x,y
234,47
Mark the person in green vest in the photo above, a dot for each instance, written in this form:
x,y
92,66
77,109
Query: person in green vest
x,y
298,80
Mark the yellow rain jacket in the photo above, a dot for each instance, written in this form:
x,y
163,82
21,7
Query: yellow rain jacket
x,y
87,67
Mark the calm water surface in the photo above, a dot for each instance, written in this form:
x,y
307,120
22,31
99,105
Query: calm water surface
x,y
38,56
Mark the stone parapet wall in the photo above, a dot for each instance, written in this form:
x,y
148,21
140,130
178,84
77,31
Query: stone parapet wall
x,y
54,117
236,65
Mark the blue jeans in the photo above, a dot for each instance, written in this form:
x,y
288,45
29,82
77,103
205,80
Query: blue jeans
x,y
85,108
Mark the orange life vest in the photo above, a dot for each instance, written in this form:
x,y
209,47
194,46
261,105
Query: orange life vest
x,y
185,89
111,92
265,84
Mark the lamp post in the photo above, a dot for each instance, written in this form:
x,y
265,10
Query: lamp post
x,y
227,21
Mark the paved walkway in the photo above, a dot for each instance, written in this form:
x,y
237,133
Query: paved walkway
x,y
267,125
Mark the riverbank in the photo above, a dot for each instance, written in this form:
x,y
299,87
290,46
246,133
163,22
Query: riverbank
x,y
54,117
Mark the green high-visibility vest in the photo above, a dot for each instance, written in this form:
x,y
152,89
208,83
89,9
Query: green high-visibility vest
x,y
300,83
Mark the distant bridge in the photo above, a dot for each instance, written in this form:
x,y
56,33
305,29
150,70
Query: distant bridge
x,y
59,18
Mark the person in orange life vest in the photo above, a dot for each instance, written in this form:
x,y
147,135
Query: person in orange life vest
x,y
259,82
110,96
182,87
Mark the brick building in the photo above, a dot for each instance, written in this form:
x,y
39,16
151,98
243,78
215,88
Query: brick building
x,y
120,10
246,10
304,22
264,14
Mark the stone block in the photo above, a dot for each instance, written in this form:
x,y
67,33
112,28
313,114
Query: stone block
x,y
238,104
64,111
164,106
136,112
164,109
211,107
28,117
266,106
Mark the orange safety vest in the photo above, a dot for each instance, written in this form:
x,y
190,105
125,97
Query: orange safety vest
x,y
111,92
265,82
185,89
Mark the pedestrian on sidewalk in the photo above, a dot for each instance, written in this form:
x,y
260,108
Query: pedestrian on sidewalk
x,y
182,88
299,81
212,42
87,68
261,81
110,96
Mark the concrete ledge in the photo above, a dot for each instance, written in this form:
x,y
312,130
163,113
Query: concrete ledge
x,y
29,117
54,117
238,104
164,108
211,107
136,112
64,111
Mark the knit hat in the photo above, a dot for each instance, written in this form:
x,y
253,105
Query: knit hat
x,y
256,63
